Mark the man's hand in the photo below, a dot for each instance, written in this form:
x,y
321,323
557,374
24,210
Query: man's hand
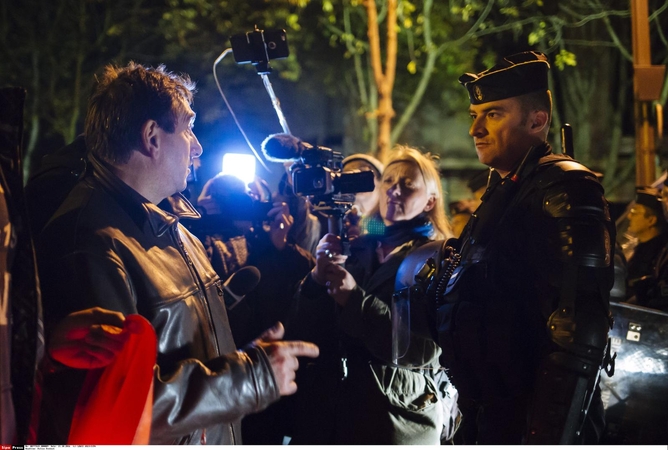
x,y
283,356
89,339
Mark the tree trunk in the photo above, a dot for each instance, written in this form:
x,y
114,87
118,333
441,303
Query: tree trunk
x,y
384,79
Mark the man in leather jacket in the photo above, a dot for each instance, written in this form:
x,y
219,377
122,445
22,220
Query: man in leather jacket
x,y
523,320
116,243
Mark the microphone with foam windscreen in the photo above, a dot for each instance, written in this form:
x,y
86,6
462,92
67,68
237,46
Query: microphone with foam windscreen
x,y
281,147
240,283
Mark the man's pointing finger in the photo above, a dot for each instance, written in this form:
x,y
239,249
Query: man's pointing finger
x,y
301,348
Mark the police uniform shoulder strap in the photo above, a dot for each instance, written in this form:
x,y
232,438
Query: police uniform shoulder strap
x,y
553,169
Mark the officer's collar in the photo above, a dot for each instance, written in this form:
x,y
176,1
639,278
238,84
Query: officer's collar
x,y
529,161
160,217
525,166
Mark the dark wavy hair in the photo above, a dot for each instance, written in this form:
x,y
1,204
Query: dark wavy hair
x,y
124,98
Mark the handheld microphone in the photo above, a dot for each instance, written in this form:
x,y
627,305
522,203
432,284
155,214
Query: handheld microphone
x,y
240,283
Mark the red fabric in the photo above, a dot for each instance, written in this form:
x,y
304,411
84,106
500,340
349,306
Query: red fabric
x,y
115,403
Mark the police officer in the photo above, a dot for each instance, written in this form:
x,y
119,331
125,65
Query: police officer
x,y
523,321
647,266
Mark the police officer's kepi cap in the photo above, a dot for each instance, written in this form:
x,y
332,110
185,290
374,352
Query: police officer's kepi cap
x,y
650,198
518,74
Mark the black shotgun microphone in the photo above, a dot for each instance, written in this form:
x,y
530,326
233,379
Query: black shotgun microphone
x,y
281,147
240,283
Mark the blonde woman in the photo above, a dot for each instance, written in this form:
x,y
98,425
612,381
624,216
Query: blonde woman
x,y
353,393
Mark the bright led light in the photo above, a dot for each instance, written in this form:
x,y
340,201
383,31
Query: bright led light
x,y
239,165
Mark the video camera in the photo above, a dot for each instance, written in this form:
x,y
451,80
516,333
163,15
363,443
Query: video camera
x,y
316,171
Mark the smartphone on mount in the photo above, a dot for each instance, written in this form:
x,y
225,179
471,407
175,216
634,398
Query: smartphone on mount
x,y
259,46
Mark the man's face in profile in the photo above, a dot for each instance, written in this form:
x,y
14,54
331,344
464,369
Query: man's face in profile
x,y
640,219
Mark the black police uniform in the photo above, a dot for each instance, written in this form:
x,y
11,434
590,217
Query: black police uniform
x,y
524,320
647,267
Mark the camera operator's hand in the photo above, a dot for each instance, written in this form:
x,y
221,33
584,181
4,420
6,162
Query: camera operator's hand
x,y
280,225
283,356
340,283
352,222
327,253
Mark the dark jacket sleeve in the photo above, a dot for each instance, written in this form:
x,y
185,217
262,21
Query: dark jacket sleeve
x,y
578,225
190,394
221,391
367,317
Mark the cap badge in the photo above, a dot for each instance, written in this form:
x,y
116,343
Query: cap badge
x,y
477,93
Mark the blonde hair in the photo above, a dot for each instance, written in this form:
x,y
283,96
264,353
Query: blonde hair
x,y
428,165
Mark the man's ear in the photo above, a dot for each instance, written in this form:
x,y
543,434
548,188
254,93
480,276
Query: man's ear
x,y
150,137
539,120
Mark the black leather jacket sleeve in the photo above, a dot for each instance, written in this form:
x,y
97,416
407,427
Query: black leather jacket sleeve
x,y
221,391
192,391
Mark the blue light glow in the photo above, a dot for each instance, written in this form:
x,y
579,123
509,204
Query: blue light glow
x,y
240,165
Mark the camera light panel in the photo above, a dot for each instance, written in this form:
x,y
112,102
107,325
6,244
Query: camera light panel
x,y
240,165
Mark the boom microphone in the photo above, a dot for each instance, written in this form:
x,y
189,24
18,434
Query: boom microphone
x,y
240,283
281,147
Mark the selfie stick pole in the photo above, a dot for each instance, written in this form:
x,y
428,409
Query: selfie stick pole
x,y
276,103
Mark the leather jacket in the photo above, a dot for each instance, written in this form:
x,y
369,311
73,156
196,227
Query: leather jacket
x,y
108,246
